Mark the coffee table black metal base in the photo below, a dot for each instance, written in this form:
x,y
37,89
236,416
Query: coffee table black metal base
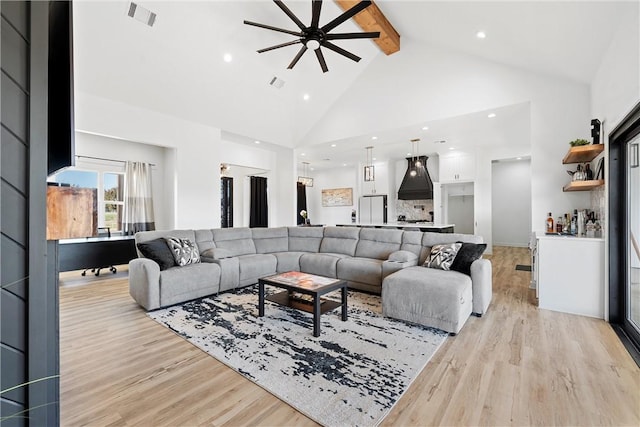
x,y
317,306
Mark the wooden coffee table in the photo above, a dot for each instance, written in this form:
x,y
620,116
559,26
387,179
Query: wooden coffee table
x,y
303,292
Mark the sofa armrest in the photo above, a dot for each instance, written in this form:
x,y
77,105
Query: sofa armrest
x,y
390,267
482,284
229,273
216,253
144,282
403,256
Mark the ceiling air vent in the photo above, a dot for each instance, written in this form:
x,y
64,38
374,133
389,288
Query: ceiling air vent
x,y
276,82
141,14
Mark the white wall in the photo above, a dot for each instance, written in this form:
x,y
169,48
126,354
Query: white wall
x,y
460,213
511,202
115,149
333,178
192,160
438,84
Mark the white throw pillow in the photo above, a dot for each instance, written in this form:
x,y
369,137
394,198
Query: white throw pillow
x,y
184,251
442,256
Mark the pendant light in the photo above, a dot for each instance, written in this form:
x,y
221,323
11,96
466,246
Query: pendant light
x,y
369,170
305,179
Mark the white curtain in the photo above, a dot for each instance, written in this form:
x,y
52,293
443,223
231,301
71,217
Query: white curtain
x,y
138,201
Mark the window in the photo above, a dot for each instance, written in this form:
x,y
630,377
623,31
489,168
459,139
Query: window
x,y
112,204
110,190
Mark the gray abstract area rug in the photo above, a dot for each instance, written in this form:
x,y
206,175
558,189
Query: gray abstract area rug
x,y
351,375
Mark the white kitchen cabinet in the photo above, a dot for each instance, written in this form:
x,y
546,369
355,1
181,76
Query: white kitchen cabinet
x,y
457,167
569,274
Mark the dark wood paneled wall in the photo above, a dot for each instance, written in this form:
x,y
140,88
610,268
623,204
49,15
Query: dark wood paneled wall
x,y
28,297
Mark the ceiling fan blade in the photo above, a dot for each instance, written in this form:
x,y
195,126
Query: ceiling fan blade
x,y
290,14
348,14
343,36
316,6
301,52
278,46
321,60
341,51
269,27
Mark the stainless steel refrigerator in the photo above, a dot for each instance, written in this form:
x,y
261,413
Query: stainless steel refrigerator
x,y
372,209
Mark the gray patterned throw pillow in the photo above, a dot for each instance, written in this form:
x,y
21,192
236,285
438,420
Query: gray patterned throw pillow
x,y
184,251
442,256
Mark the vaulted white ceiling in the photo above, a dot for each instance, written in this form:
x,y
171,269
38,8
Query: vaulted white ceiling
x,y
176,67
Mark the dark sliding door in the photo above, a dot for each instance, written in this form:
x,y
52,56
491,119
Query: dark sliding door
x,y
624,231
226,202
258,215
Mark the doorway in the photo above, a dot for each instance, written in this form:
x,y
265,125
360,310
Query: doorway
x,y
226,202
458,206
624,231
511,202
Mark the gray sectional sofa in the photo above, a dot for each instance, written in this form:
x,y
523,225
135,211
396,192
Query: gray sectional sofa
x,y
382,261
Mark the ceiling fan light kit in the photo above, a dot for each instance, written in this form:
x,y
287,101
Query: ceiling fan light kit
x,y
314,37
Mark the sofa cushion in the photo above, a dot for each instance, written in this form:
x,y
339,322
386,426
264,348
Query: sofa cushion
x,y
256,265
204,240
288,261
340,240
179,284
320,264
270,240
305,239
237,241
363,270
184,251
468,253
442,256
157,250
412,242
430,297
378,243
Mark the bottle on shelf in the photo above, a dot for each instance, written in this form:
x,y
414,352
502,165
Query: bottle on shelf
x,y
574,222
559,225
549,223
588,172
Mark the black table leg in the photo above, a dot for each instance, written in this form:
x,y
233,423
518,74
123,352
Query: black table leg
x,y
344,303
316,315
260,299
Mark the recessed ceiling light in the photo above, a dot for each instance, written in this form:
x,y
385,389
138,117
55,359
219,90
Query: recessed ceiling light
x,y
481,35
257,142
425,128
344,164
227,57
491,115
408,154
452,148
518,158
312,169
303,154
333,145
305,96
375,158
374,137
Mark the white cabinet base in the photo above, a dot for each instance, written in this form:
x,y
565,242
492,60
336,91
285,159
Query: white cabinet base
x,y
570,275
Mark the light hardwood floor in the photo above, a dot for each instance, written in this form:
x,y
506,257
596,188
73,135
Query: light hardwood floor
x,y
517,365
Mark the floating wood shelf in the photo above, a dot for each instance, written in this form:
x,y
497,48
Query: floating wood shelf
x,y
583,185
583,153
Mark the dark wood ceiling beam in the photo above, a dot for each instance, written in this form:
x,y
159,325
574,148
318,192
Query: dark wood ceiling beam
x,y
372,19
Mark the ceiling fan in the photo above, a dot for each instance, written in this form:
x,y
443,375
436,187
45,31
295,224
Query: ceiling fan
x,y
315,36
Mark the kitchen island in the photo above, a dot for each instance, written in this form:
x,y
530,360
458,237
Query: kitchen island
x,y
402,225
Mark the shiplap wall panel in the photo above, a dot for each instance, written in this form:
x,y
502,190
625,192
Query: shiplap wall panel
x,y
13,267
13,157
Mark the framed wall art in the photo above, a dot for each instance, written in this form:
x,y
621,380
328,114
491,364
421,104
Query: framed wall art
x,y
337,197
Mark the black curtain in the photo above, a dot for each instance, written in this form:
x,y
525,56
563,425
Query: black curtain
x,y
258,215
226,202
302,201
